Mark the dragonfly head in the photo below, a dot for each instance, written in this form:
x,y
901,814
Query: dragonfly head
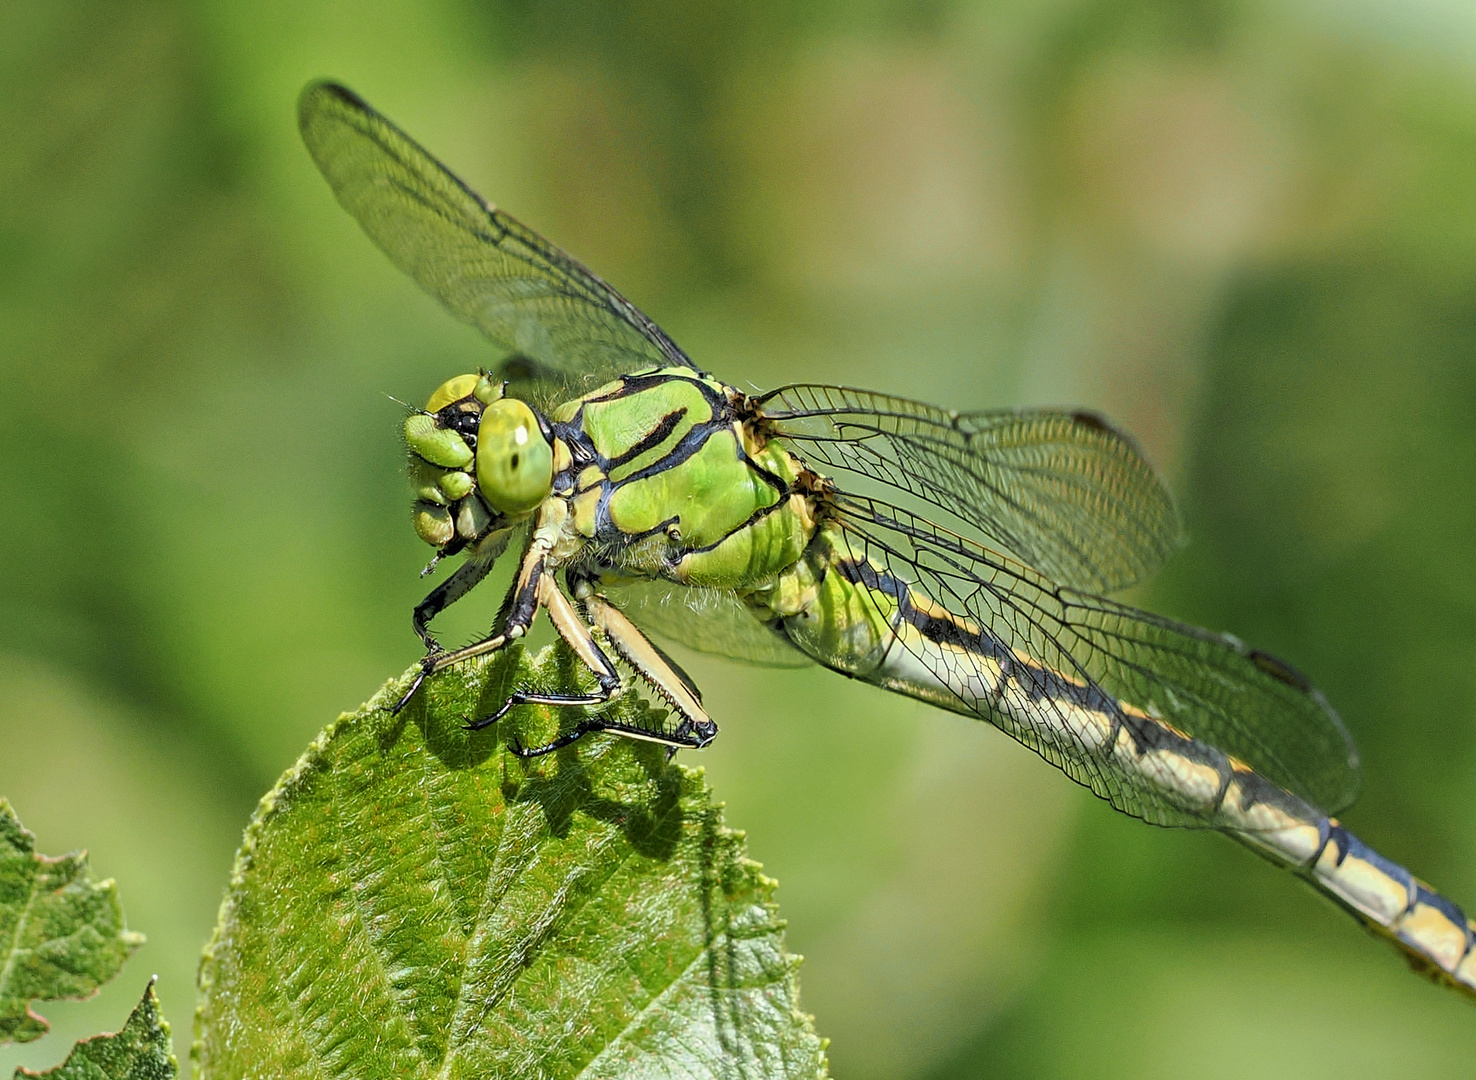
x,y
476,459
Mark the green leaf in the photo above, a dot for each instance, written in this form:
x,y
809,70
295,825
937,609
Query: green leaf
x,y
414,900
61,934
143,1050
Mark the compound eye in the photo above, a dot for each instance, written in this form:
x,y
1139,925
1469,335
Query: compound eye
x,y
514,462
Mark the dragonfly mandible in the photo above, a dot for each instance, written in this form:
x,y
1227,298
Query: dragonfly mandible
x,y
958,558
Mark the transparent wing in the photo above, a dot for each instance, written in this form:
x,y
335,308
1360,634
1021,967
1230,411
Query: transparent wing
x,y
705,620
522,292
1064,492
1209,686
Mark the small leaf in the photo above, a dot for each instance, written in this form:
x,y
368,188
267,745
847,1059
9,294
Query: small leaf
x,y
412,900
143,1050
61,934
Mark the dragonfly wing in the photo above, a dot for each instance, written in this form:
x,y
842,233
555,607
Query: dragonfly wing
x,y
707,621
1063,491
522,292
1037,660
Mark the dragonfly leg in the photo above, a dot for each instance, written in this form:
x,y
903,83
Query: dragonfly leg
x,y
520,697
467,576
522,606
695,730
683,738
576,634
657,670
420,676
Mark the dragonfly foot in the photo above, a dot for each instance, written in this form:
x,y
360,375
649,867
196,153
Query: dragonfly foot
x,y
692,735
427,665
488,721
526,752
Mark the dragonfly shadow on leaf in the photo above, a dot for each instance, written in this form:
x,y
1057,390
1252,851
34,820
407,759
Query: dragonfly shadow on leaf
x,y
591,776
444,707
618,781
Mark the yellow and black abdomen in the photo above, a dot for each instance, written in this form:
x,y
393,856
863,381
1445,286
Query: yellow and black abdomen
x,y
852,615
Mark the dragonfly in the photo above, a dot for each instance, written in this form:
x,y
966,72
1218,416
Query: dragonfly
x,y
960,558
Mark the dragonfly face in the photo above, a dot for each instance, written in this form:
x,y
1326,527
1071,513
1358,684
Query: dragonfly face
x,y
958,558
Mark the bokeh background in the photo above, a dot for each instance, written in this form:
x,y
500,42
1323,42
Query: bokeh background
x,y
1245,229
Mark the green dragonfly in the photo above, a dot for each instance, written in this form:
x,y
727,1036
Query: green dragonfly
x,y
958,558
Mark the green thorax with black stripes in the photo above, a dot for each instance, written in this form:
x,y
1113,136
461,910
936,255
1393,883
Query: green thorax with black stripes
x,y
665,478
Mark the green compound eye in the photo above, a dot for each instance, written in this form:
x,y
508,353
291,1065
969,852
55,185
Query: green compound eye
x,y
514,463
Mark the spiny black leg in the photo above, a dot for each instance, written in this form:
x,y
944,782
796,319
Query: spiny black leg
x,y
424,612
685,737
518,611
437,600
548,748
466,577
518,697
427,665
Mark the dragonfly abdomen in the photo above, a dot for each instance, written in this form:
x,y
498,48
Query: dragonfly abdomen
x,y
1433,932
856,617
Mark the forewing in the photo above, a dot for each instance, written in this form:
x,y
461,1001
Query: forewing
x,y
1208,686
711,621
1063,491
522,292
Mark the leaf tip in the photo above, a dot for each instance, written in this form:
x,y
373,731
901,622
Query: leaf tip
x,y
142,1049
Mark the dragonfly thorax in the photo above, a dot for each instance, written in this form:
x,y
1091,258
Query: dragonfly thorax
x,y
666,481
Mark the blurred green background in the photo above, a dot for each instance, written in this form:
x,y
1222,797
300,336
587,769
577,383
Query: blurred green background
x,y
1245,229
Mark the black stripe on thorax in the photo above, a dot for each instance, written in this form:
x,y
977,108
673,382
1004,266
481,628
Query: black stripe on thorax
x,y
627,386
653,438
764,474
582,448
753,519
689,444
639,383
